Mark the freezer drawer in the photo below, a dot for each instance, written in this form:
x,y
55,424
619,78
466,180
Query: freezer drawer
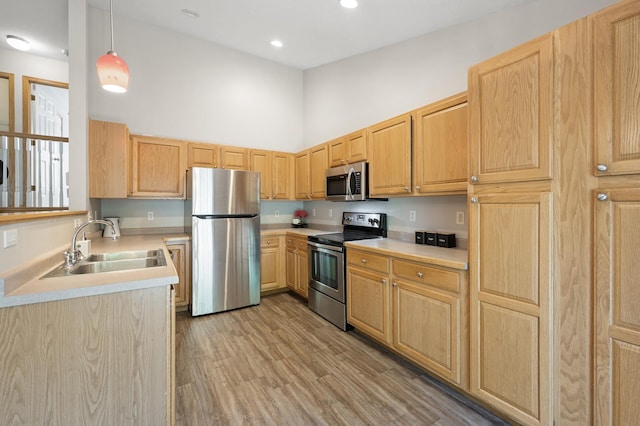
x,y
226,264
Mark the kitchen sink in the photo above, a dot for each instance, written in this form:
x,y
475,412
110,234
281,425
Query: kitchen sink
x,y
111,262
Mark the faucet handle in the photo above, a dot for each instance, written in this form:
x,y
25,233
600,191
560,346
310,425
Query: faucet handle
x,y
71,257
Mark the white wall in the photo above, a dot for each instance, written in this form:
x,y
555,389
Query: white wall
x,y
181,87
23,64
362,90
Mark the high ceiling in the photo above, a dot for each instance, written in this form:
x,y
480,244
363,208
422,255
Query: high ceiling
x,y
314,32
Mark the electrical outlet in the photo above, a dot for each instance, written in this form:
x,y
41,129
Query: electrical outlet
x,y
77,223
10,237
149,215
412,216
459,218
276,213
313,212
330,212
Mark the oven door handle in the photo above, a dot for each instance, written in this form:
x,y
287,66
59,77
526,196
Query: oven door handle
x,y
324,248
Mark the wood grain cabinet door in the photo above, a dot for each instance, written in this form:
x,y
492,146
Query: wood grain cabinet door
x,y
180,257
617,307
356,146
510,115
440,147
158,167
262,162
203,155
303,175
510,264
616,38
319,164
281,177
234,158
338,152
108,159
390,157
368,303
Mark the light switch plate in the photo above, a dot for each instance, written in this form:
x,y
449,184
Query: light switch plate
x,y
10,238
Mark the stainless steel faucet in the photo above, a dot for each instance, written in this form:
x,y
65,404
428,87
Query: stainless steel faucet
x,y
74,256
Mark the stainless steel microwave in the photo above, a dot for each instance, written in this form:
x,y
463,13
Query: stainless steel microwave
x,y
348,183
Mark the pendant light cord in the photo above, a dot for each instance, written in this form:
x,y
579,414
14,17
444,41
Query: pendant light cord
x,y
111,20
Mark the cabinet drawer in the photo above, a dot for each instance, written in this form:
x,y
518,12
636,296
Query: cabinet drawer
x,y
368,260
266,242
423,274
301,244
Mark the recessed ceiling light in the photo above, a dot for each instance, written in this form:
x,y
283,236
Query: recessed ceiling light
x,y
276,43
190,13
349,4
18,43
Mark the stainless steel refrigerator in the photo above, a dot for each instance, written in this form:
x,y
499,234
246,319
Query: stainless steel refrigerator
x,y
222,214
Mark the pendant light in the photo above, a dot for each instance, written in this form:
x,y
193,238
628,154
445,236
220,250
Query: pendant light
x,y
113,71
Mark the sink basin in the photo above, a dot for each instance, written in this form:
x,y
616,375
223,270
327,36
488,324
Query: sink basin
x,y
121,255
111,262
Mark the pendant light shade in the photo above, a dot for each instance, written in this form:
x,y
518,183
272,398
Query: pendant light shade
x,y
113,71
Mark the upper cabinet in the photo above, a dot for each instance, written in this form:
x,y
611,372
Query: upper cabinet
x,y
303,175
158,167
234,158
108,159
440,147
389,155
203,155
275,173
351,148
319,157
616,35
338,154
510,114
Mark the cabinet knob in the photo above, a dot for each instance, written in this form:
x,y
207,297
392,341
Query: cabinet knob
x,y
420,275
384,281
602,167
363,260
268,242
474,200
417,187
474,179
602,197
406,188
395,284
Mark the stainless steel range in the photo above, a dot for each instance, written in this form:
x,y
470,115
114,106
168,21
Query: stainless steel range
x,y
327,258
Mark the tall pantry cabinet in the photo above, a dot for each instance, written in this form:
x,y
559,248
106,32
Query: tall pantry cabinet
x,y
616,59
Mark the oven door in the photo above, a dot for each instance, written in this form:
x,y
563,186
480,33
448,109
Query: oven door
x,y
326,270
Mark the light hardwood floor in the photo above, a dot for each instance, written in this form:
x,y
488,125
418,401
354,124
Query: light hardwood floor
x,y
280,364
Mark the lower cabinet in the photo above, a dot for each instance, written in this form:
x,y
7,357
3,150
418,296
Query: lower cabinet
x,y
181,258
272,263
416,309
297,275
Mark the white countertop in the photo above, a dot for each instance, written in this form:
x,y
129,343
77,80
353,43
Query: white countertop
x,y
439,256
23,285
300,231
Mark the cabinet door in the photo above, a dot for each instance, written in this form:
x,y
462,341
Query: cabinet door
x,y
234,158
426,328
319,164
338,152
261,161
390,157
108,156
269,264
617,316
302,286
158,168
440,147
281,178
292,268
356,146
511,270
616,35
303,175
368,298
510,114
180,258
203,155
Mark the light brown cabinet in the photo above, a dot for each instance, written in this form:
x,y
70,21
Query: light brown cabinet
x,y
348,149
303,175
319,158
511,114
203,155
389,153
416,309
272,263
234,158
297,275
108,159
616,38
440,147
276,177
158,167
181,257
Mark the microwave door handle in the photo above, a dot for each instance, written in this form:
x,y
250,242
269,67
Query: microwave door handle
x,y
349,177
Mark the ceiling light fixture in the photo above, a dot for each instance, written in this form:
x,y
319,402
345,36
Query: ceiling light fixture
x,y
349,4
190,13
113,71
18,43
276,43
